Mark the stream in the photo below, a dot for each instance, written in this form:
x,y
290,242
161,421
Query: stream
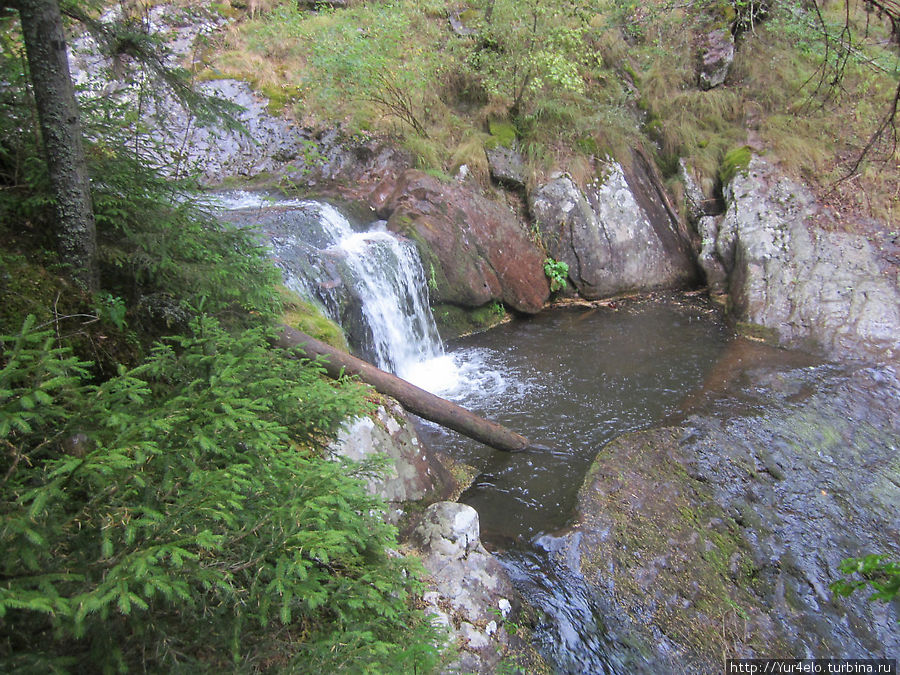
x,y
784,465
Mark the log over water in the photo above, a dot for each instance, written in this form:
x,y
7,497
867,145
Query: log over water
x,y
412,398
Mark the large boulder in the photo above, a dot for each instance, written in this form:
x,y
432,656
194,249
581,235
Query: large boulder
x,y
716,57
803,284
507,167
474,250
613,238
413,472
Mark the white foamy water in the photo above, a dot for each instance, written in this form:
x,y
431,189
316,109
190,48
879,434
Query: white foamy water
x,y
241,200
471,377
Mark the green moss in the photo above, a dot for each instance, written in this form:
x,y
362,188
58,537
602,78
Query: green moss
x,y
756,331
470,18
307,318
736,160
453,321
504,133
280,98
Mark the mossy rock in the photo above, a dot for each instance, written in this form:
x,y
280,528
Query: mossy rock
x,y
307,318
453,321
678,561
756,331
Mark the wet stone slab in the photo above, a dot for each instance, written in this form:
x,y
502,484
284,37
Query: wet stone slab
x,y
721,534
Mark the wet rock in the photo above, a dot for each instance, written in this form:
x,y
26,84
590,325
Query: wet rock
x,y
413,473
806,285
472,592
742,563
475,249
507,167
608,237
716,57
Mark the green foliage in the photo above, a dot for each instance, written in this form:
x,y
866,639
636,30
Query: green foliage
x,y
111,309
160,250
557,272
181,516
156,238
526,46
359,55
876,572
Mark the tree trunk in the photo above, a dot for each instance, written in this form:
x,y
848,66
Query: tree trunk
x,y
54,95
412,398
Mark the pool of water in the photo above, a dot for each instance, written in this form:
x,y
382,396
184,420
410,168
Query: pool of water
x,y
571,380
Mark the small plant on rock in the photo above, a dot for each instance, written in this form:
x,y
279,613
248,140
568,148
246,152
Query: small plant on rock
x,y
557,272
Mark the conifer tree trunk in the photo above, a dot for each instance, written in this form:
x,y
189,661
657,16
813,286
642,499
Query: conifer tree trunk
x,y
54,94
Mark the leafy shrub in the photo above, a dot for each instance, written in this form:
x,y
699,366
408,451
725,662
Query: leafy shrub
x,y
557,272
877,572
182,515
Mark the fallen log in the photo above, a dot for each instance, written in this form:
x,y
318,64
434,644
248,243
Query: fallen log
x,y
412,398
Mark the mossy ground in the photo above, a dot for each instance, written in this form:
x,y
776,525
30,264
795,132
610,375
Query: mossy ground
x,y
36,285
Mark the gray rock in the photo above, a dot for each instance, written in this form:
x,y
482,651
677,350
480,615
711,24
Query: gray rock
x,y
807,285
716,57
698,204
414,473
507,167
459,23
471,590
177,140
607,238
708,257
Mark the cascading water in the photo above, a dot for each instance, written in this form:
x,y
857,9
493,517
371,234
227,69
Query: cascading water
x,y
575,380
387,275
370,282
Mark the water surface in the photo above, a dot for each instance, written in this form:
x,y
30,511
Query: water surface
x,y
571,379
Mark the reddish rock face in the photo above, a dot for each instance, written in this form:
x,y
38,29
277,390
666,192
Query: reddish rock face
x,y
473,249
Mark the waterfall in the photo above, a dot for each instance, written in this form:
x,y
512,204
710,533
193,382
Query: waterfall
x,y
388,277
370,282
